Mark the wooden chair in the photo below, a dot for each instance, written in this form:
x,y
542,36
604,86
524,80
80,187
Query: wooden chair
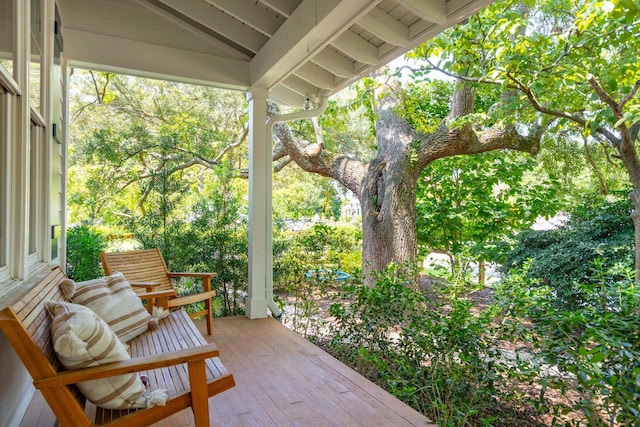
x,y
150,278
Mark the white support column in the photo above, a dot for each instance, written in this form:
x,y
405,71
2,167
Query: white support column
x,y
260,207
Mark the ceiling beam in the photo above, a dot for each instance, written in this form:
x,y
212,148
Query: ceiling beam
x,y
459,10
317,76
309,29
385,26
287,96
114,54
430,10
300,86
356,47
214,22
250,14
283,7
335,63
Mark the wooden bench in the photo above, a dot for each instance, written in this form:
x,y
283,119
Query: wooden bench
x,y
175,357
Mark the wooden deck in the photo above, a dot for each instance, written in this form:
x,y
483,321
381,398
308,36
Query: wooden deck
x,y
281,380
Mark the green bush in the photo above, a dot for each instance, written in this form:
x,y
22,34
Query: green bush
x,y
318,247
83,253
213,237
304,266
564,258
594,348
431,351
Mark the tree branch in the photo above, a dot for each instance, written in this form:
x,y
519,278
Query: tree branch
x,y
241,139
434,67
312,157
193,162
282,163
631,94
604,96
560,114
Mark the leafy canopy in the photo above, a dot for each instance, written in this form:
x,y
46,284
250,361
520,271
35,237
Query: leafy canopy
x,y
547,50
477,202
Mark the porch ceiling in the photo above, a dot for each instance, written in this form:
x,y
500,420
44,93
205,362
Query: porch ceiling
x,y
293,48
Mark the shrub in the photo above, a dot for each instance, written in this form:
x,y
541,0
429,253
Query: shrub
x,y
564,258
304,268
594,348
212,238
83,253
431,351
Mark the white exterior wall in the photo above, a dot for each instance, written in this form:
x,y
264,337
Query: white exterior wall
x,y
29,179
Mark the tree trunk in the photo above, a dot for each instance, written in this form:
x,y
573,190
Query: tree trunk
x,y
626,146
630,159
388,201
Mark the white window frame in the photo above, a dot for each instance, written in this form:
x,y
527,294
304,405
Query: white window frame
x,y
6,117
37,190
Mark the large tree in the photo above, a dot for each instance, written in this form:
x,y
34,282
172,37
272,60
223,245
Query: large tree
x,y
138,144
386,185
575,62
573,65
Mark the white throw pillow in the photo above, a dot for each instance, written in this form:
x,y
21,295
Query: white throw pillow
x,y
113,299
81,339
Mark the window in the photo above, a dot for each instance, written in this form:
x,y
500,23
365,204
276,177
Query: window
x,y
6,36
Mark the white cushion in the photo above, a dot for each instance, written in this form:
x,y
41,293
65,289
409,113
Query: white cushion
x,y
113,299
81,339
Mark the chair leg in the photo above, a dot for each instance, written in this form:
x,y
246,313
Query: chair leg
x,y
199,395
206,285
208,309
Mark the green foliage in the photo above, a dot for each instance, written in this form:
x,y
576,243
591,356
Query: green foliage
x,y
347,128
452,362
434,353
213,237
318,247
594,347
132,136
304,269
544,54
471,204
83,253
564,258
585,170
425,106
297,194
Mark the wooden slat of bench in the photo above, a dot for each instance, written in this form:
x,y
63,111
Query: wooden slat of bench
x,y
176,332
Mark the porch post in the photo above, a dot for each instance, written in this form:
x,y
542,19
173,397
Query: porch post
x,y
260,208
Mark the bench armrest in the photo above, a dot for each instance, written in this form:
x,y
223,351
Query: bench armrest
x,y
190,299
138,364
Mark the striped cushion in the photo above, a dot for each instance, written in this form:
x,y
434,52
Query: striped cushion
x,y
113,299
81,339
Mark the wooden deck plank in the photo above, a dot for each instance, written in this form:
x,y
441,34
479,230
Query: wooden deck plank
x,y
284,380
